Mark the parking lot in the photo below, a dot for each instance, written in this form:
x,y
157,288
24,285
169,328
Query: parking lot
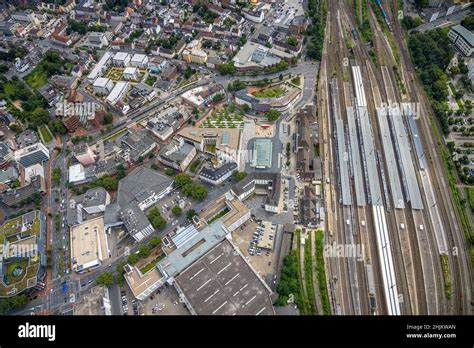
x,y
130,306
167,203
164,301
266,263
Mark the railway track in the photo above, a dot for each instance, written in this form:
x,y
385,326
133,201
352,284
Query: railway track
x,y
460,267
407,256
338,51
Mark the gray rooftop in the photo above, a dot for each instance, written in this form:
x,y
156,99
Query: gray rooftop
x,y
390,159
343,165
111,215
466,34
134,219
250,180
180,258
355,159
223,283
139,185
217,173
176,152
94,197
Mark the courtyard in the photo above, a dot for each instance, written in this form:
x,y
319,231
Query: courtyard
x,y
228,117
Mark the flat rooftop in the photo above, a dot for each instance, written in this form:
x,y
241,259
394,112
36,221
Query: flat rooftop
x,y
262,153
221,282
236,210
121,55
227,139
139,282
96,302
88,243
180,258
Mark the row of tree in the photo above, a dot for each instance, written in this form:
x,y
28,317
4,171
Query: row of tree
x,y
431,53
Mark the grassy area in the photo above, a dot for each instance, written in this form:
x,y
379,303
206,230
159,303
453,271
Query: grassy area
x,y
21,264
115,74
363,23
150,80
457,197
452,88
308,275
195,165
400,84
37,78
116,134
448,288
218,216
296,81
152,264
228,117
303,301
387,33
289,287
210,148
470,195
270,92
320,271
45,134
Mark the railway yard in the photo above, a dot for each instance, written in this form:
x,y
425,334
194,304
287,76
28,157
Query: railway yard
x,y
385,183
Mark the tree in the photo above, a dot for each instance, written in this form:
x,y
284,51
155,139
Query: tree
x,y
199,192
273,115
169,171
422,3
188,72
108,118
133,259
176,210
207,44
144,251
157,221
245,108
108,182
191,213
57,126
226,68
12,303
242,40
182,180
106,278
468,22
15,128
121,171
292,41
155,241
56,175
39,117
217,98
239,175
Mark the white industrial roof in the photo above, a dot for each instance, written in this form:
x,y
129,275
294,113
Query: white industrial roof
x,y
76,173
116,91
138,58
101,82
130,70
121,55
